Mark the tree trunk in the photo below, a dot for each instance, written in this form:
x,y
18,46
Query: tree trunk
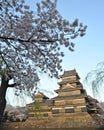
x,y
3,89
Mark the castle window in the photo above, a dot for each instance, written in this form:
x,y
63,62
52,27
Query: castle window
x,y
55,111
45,114
83,109
69,110
30,115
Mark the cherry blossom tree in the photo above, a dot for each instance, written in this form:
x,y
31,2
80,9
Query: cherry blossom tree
x,y
30,41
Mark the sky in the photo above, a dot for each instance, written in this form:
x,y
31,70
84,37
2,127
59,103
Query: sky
x,y
89,50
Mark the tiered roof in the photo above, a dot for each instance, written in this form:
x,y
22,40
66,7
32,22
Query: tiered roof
x,y
70,73
40,95
70,76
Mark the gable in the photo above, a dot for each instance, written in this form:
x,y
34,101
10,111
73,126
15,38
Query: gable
x,y
67,85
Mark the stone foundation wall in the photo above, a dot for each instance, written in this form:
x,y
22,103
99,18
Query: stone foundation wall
x,y
73,121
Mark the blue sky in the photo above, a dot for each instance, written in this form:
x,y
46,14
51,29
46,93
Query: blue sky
x,y
89,50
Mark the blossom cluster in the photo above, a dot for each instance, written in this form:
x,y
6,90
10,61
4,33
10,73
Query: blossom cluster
x,y
30,41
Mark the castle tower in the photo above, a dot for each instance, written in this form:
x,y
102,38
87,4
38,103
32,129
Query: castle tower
x,y
71,95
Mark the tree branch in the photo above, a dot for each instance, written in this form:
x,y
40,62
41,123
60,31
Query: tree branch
x,y
4,60
28,40
12,85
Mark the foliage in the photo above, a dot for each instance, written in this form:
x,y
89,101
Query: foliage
x,y
30,40
96,78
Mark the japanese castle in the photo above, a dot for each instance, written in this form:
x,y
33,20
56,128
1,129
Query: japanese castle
x,y
72,98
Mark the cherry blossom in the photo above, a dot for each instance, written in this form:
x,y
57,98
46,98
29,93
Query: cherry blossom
x,y
30,41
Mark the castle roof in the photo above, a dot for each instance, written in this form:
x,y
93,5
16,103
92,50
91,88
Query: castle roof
x,y
68,81
70,73
40,94
70,97
69,89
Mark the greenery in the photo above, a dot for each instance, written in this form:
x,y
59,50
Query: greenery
x,y
95,79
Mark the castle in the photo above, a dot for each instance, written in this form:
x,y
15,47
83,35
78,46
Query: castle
x,y
72,98
72,104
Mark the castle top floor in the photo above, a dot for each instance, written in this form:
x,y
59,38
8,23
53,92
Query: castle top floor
x,y
70,75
